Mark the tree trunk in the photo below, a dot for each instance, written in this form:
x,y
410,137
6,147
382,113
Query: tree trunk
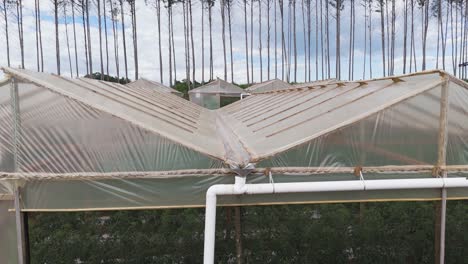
x,y
211,39
173,46
295,40
100,38
365,40
382,32
68,42
124,39
135,38
170,41
83,16
283,53
350,40
276,42
57,44
370,39
268,39
7,39
186,45
157,6
19,14
203,41
193,43
405,34
327,32
230,39
237,224
337,55
304,30
90,54
106,38
116,38
251,42
316,38
412,37
426,25
322,57
37,33
40,35
309,32
260,38
393,37
354,39
246,42
74,39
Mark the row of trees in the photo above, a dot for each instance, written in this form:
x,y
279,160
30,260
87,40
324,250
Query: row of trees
x,y
279,25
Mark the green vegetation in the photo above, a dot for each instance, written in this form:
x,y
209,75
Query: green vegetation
x,y
107,78
400,232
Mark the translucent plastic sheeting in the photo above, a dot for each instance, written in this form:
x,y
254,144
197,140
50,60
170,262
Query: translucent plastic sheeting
x,y
160,113
6,128
8,250
271,85
404,134
149,85
114,194
457,146
269,124
61,135
209,101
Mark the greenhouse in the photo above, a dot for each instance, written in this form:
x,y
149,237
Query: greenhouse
x,y
215,94
268,86
72,145
143,83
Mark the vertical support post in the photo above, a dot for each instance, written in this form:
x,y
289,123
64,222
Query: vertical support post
x,y
237,224
19,228
441,209
15,110
210,229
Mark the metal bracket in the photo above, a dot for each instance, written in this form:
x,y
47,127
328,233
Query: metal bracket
x,y
244,171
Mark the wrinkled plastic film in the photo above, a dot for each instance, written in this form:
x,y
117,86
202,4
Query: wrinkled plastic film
x,y
8,250
404,134
6,128
210,101
457,126
61,135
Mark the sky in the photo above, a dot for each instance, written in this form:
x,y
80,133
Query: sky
x,y
148,42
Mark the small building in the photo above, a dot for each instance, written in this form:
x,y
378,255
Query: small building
x,y
268,86
215,94
148,84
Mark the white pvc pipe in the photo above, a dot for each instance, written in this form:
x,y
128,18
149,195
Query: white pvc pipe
x,y
307,187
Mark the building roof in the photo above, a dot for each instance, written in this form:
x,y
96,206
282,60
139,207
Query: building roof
x,y
268,86
149,84
163,113
314,83
218,86
255,128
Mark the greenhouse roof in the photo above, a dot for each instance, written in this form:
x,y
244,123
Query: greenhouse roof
x,y
252,129
267,86
164,114
143,83
218,86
